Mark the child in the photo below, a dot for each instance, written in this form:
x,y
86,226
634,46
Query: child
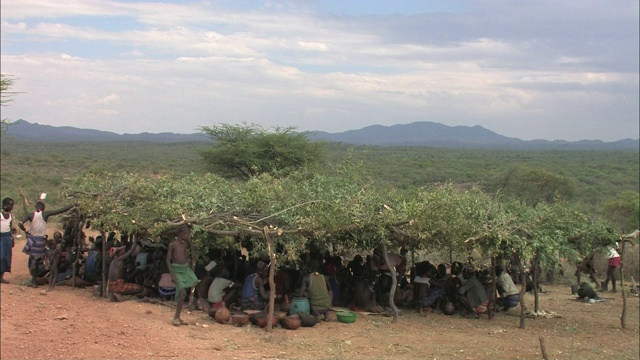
x,y
52,261
181,273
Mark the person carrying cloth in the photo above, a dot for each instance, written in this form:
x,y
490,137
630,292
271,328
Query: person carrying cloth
x,y
36,236
181,273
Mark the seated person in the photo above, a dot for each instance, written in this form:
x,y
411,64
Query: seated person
x,y
474,297
117,286
254,294
317,288
586,292
429,291
220,289
509,294
282,283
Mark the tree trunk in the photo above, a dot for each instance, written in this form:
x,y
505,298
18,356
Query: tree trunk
x,y
77,235
272,283
623,317
192,293
536,279
492,296
523,290
394,282
104,263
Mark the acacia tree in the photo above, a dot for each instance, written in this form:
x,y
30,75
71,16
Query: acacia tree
x,y
248,150
623,211
533,185
338,209
6,96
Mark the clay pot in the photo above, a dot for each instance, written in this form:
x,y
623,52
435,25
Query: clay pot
x,y
240,319
330,316
260,319
222,315
308,320
291,322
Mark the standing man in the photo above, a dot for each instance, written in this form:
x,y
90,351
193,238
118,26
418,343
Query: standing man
x,y
6,239
181,273
613,263
36,235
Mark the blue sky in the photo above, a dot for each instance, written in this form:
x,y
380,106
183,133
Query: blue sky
x,y
527,69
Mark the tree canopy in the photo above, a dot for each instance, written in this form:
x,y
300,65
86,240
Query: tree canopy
x,y
6,96
533,185
340,211
248,150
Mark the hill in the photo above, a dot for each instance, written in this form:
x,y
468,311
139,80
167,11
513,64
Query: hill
x,y
24,130
423,133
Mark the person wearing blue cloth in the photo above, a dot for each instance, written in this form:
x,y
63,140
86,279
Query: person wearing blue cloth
x,y
6,238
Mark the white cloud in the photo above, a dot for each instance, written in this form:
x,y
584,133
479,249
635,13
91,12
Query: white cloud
x,y
524,71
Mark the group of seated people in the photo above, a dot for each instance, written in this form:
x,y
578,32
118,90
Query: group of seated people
x,y
461,288
229,279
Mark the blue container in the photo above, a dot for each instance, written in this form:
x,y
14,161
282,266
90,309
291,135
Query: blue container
x,y
299,305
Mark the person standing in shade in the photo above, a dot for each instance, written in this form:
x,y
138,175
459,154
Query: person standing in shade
x,y
6,238
613,263
36,235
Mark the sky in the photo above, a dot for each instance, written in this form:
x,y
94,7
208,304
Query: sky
x,y
530,69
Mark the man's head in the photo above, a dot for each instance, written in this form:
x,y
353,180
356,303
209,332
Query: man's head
x,y
115,252
7,204
468,272
40,205
183,232
51,243
499,269
448,308
262,268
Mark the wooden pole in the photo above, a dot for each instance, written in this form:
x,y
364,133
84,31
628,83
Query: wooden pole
x,y
523,289
492,296
623,316
193,265
536,279
543,349
272,283
77,234
104,263
394,282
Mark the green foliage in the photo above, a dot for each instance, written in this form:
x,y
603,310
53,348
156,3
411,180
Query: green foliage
x,y
341,206
6,96
245,151
535,185
623,211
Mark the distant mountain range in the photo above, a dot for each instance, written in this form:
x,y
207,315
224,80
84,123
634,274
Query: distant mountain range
x,y
423,133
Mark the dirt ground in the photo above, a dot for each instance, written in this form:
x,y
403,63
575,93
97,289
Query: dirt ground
x,y
69,323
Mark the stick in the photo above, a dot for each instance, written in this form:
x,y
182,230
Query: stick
x,y
272,284
623,317
543,348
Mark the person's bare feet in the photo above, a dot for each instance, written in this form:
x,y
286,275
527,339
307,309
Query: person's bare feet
x,y
178,322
